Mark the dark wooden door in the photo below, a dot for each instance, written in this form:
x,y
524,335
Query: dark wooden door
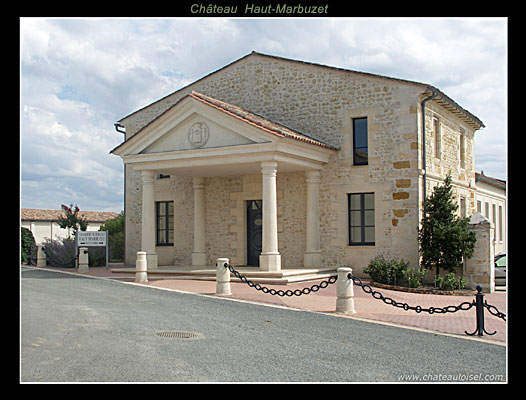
x,y
254,231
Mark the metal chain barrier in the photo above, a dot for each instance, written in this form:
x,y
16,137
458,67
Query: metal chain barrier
x,y
479,304
289,293
387,300
497,313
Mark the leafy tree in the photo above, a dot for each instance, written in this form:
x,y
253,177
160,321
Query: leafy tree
x,y
115,228
444,237
72,220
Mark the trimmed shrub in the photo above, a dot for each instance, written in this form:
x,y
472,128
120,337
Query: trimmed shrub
x,y
394,272
450,282
27,244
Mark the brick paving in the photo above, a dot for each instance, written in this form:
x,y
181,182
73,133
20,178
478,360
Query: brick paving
x,y
366,306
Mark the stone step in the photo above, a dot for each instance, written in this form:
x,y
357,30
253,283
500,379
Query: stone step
x,y
282,277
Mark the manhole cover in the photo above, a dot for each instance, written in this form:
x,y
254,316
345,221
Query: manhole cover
x,y
179,335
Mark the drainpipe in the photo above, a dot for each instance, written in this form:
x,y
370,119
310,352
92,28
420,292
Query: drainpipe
x,y
117,126
435,94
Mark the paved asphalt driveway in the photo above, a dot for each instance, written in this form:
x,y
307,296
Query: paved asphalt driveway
x,y
78,329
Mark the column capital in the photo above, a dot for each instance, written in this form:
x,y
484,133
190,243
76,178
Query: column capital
x,y
312,176
147,176
199,182
269,167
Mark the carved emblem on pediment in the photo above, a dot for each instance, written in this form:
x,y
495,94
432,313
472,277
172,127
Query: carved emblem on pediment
x,y
198,134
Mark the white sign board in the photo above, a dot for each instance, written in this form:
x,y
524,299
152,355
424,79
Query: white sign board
x,y
91,238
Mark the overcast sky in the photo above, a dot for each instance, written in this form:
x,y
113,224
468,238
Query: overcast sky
x,y
80,76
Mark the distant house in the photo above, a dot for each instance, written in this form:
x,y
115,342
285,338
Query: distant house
x,y
491,202
43,223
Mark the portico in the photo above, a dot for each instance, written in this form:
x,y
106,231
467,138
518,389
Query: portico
x,y
202,138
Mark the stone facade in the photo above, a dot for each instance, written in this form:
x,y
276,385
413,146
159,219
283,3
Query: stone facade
x,y
320,102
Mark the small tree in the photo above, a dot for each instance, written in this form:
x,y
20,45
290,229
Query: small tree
x,y
444,237
115,228
72,220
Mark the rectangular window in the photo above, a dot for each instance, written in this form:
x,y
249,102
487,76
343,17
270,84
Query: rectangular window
x,y
436,133
360,142
500,223
361,219
494,213
463,211
462,148
479,206
164,211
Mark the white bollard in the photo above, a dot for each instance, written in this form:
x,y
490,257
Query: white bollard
x,y
223,278
344,292
41,257
141,267
83,259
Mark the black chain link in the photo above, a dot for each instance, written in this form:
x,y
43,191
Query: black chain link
x,y
367,289
496,313
387,300
281,293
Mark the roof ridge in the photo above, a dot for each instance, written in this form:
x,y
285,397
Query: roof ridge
x,y
443,96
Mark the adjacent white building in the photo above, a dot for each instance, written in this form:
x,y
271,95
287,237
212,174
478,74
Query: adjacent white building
x,y
43,223
490,199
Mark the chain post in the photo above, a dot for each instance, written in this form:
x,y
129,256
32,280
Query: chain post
x,y
344,292
479,307
141,267
223,277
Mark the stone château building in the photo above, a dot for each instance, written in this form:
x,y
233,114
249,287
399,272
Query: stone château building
x,y
280,163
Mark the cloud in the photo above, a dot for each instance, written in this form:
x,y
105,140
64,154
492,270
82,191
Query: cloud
x,y
80,76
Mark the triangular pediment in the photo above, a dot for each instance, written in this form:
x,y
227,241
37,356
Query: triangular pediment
x,y
196,131
192,124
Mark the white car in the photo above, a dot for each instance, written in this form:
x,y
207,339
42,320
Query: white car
x,y
500,270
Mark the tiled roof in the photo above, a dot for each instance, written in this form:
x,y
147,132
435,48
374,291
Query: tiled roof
x,y
480,177
35,214
259,121
249,117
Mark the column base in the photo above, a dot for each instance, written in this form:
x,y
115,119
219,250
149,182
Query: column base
x,y
199,259
83,267
270,262
312,259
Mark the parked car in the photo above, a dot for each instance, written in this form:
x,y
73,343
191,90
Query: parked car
x,y
500,270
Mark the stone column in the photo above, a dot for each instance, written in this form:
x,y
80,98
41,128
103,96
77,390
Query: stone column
x,y
141,268
83,259
199,253
480,268
223,277
344,292
312,256
270,259
148,219
41,256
